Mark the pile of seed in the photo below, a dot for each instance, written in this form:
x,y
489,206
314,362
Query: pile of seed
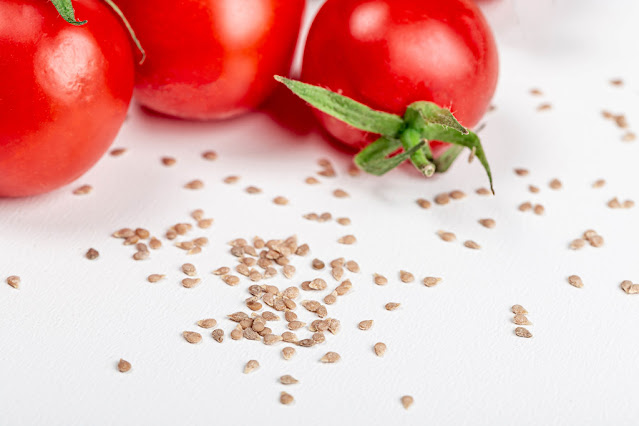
x,y
521,319
590,236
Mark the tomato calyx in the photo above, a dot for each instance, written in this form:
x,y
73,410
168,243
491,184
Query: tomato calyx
x,y
422,122
66,11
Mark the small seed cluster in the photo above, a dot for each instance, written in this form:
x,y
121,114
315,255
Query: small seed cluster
x,y
622,123
616,204
521,319
450,237
590,236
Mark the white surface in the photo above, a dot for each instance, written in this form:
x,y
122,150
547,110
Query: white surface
x,y
452,347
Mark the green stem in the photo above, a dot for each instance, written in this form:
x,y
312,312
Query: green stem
x,y
374,159
411,138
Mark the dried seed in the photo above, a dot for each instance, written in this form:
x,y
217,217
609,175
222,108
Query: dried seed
x,y
153,278
222,271
577,244
306,343
536,92
406,277
83,190
344,221
523,332
123,233
544,107
325,217
197,214
347,239
291,293
124,366
487,223
520,319
252,365
231,280
317,264
253,190
190,282
539,209
614,203
518,309
207,323
288,352
141,247
116,152
352,266
483,191
423,203
280,201
154,243
365,325
599,183
270,316
302,250
289,337
321,311
442,199
209,155
290,316
129,241
194,250
597,241
330,358
14,281
334,325
629,287
311,216
457,194
407,401
271,339
589,234
344,287
218,335
255,275
555,184
238,316
533,189
195,184
288,380
330,299
340,193
295,325
92,254
288,271
431,281
616,82
524,207
318,284
629,137
189,269
318,338
380,279
337,272
391,306
472,245
168,161
575,281
237,333
141,255
521,172
380,349
311,305
254,306
286,398
185,245
201,241
259,324
447,236
171,234
628,204
192,336
311,180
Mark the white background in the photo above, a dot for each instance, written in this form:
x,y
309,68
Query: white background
x,y
451,347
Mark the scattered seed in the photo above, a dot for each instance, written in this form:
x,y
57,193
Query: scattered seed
x,y
575,281
599,183
253,190
337,262
207,323
487,223
141,255
457,194
288,380
483,191
521,172
153,278
380,349
195,184
447,236
518,309
231,179
380,279
597,241
254,306
83,190
302,250
286,398
347,239
614,203
544,107
406,277
330,358
344,221
330,299
407,401
628,137
192,337
317,264
124,366
190,282
231,280
352,266
209,155
524,207
116,152
577,244
250,366
189,269
391,306
280,201
340,193
424,203
523,332
288,271
442,199
168,161
318,284
92,254
472,245
534,189
288,352
629,287
365,325
311,180
628,204
218,335
616,82
555,184
222,271
237,333
521,319
539,209
536,92
14,281
431,281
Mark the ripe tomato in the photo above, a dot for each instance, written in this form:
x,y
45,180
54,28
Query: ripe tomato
x,y
212,59
388,54
64,92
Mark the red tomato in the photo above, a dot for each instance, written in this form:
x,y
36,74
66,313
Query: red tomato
x,y
212,59
388,54
64,92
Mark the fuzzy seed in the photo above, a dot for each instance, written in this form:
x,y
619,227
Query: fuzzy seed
x,y
518,309
311,180
116,152
337,272
288,352
407,401
347,239
286,398
380,349
597,241
423,203
447,236
406,277
318,284
629,137
218,335
599,183
629,287
352,266
487,223
575,281
544,107
431,281
365,325
472,245
380,279
539,209
192,337
391,306
288,380
521,172
317,264
330,358
190,282
252,365
523,332
189,269
288,271
153,278
209,155
195,184
533,189
168,161
520,319
207,323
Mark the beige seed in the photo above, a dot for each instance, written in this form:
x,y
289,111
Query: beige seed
x,y
534,189
141,255
406,277
589,234
457,194
521,172
116,152
521,319
317,264
311,305
331,299
614,203
483,191
238,316
407,401
487,223
306,343
153,278
391,306
365,325
344,221
472,245
129,241
597,241
295,325
325,217
380,279
330,358
523,332
337,272
431,281
334,325
628,204
286,398
218,335
270,339
288,271
518,309
616,82
629,287
255,275
442,199
154,243
539,209
280,201
311,180
201,241
544,107
222,271
555,184
250,366
291,293
536,92
270,316
192,337
599,183
194,184
290,316
190,282
575,281
168,161
253,305
629,137
124,366
347,239
318,338
447,236
189,269
423,203
287,379
123,233
380,349
207,323
344,287
352,266
340,193
302,250
204,223
337,262
237,333
318,284
197,214
13,281
524,207
577,244
231,280
289,337
288,352
83,190
253,190
321,311
209,155
92,254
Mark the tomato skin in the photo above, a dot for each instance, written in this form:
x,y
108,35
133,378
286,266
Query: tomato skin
x,y
212,59
388,54
64,92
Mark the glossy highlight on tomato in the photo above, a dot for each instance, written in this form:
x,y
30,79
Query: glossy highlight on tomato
x,y
388,54
212,59
64,92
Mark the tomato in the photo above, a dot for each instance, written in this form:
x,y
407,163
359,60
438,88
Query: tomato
x,y
388,54
64,92
212,59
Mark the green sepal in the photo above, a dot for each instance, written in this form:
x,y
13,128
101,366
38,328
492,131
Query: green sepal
x,y
444,161
374,159
65,9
